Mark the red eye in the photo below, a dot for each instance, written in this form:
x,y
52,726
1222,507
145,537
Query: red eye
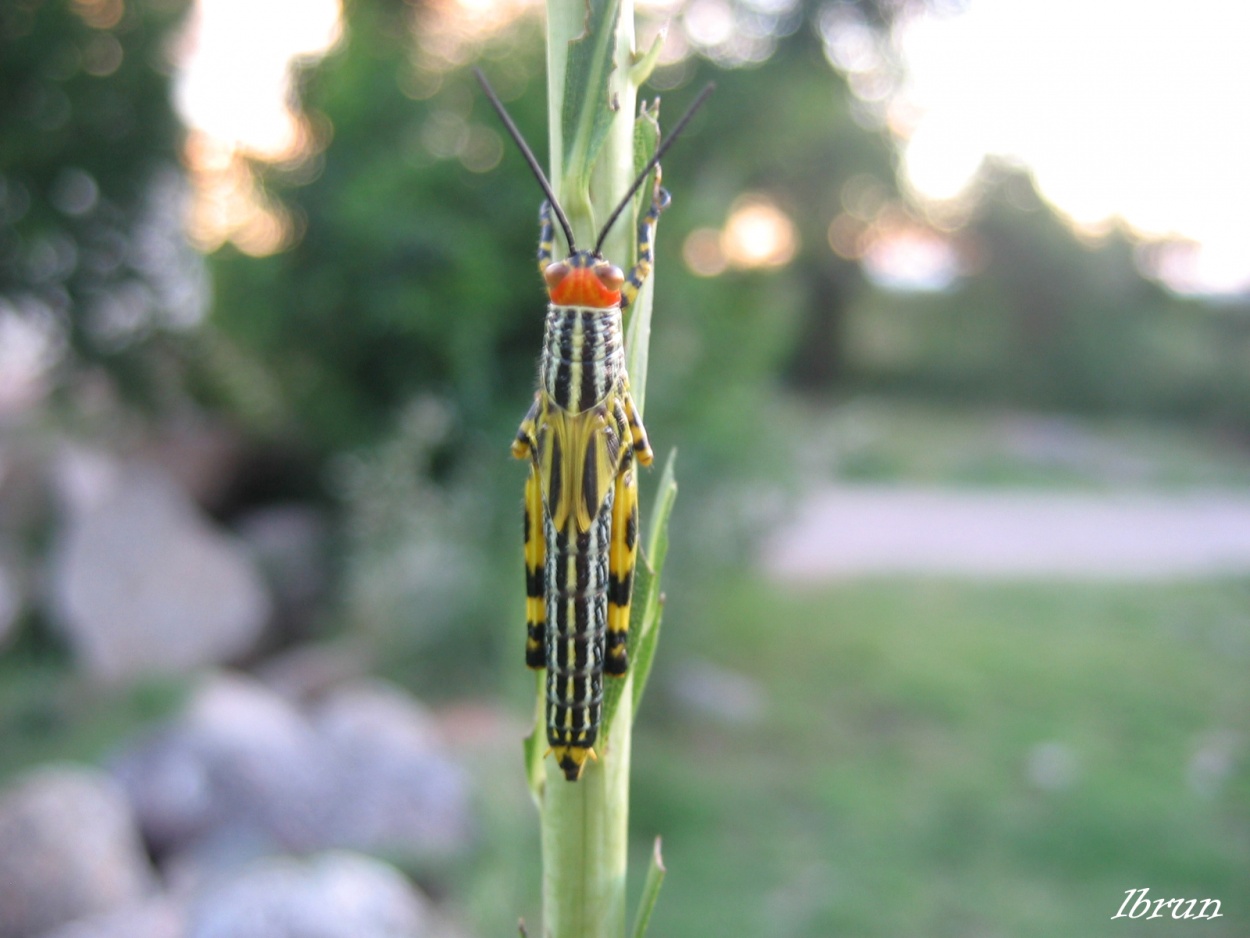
x,y
555,273
610,276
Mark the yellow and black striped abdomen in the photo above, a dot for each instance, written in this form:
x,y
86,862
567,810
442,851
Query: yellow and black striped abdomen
x,y
576,586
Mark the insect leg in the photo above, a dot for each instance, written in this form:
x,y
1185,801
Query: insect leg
x,y
637,432
646,239
535,564
621,559
525,446
546,237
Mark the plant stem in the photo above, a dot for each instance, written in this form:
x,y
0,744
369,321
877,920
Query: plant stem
x,y
585,824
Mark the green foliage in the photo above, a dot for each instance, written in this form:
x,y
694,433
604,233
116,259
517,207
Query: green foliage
x,y
48,713
1046,322
413,273
585,825
638,317
586,114
91,253
650,892
879,439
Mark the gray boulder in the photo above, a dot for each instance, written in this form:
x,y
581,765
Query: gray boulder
x,y
334,895
159,917
68,849
241,767
395,789
141,581
245,773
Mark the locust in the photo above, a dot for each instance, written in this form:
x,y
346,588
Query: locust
x,y
584,439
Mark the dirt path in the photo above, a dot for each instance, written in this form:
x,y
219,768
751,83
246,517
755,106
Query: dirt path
x,y
864,530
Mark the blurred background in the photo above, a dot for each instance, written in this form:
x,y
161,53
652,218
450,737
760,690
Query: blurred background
x,y
952,332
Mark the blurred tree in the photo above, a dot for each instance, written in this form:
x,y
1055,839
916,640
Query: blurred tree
x,y
1060,296
1043,319
412,266
785,130
92,259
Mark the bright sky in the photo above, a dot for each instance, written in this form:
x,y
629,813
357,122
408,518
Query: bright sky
x,y
234,80
1128,108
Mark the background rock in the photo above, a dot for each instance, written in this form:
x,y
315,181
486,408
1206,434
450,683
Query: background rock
x,y
240,762
312,671
396,790
155,918
335,895
141,581
245,773
68,848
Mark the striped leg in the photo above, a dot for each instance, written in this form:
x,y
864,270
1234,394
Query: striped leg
x,y
546,237
621,559
525,446
646,240
637,432
535,564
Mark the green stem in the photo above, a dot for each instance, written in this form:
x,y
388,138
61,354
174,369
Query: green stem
x,y
585,824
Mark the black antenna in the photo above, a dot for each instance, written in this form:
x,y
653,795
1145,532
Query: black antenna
x,y
529,158
651,163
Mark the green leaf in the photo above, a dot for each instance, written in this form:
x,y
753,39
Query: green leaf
x,y
650,892
646,139
645,621
644,614
588,111
638,326
665,496
645,64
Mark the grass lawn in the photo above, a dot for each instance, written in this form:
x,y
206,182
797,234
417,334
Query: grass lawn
x,y
935,758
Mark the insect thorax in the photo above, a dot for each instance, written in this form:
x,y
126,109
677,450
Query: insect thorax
x,y
583,357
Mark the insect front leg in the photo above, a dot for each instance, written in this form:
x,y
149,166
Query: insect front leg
x,y
637,432
646,241
525,444
546,237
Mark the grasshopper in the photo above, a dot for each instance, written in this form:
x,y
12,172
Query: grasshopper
x,y
583,438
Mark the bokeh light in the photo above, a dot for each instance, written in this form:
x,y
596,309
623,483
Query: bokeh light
x,y
758,234
702,252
